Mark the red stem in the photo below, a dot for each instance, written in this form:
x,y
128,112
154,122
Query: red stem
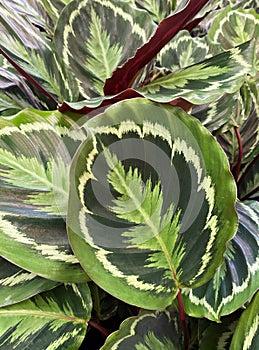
x,y
101,329
183,321
240,153
28,77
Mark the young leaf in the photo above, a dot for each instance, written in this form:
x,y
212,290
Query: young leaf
x,y
139,227
52,320
148,330
236,280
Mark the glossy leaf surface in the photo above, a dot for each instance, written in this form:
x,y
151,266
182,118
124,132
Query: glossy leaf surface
x,y
237,279
52,320
34,184
17,284
149,330
132,216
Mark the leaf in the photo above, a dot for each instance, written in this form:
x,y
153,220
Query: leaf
x,y
52,320
183,51
25,46
34,162
109,32
246,335
206,81
248,185
17,284
124,76
237,278
137,226
234,27
148,330
159,10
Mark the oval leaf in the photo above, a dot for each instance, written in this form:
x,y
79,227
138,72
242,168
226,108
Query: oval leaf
x,y
135,222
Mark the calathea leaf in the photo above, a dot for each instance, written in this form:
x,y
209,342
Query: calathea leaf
x,y
231,286
246,335
148,211
52,320
34,187
207,80
123,77
109,33
234,27
17,284
148,330
248,185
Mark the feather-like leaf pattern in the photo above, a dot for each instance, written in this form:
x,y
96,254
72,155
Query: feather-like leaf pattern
x,y
52,320
131,227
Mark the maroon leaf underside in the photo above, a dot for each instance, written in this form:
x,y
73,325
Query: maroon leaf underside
x,y
123,77
107,101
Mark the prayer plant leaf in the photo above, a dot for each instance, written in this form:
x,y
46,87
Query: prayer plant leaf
x,y
94,37
234,27
248,184
237,278
123,77
246,336
34,187
208,80
148,330
17,284
32,50
54,320
183,51
138,226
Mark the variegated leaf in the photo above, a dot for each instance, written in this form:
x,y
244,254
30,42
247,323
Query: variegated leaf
x,y
94,37
135,222
208,80
237,279
234,27
53,320
246,336
31,49
17,284
149,330
34,164
248,184
183,51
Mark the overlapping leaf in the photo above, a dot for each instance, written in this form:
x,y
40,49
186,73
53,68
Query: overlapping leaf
x,y
94,37
208,80
34,184
139,240
52,320
237,279
32,50
17,284
246,336
149,330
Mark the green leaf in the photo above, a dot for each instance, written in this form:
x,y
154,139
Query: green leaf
x,y
135,222
248,185
17,284
208,80
234,27
183,51
109,32
237,279
246,336
148,330
52,320
34,163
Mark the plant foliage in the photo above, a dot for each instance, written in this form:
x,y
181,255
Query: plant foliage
x,y
129,174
